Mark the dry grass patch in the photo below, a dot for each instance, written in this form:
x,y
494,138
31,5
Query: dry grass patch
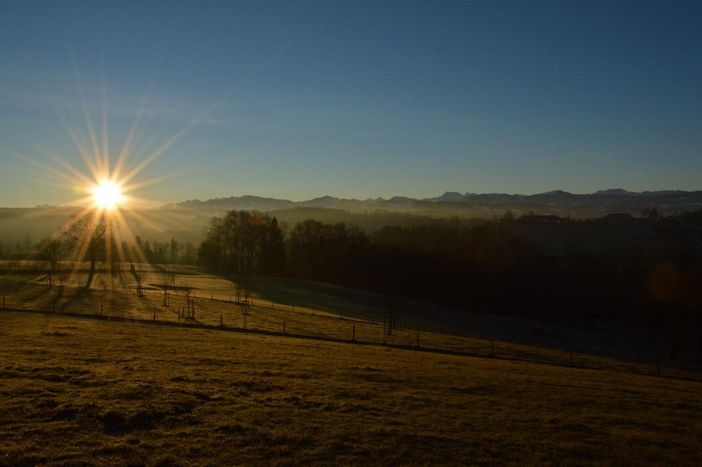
x,y
77,391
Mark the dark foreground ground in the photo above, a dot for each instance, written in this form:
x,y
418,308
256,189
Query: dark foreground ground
x,y
78,392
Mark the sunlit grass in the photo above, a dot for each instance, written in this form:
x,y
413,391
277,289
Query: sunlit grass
x,y
129,394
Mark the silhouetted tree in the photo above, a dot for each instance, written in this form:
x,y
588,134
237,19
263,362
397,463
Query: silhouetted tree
x,y
86,236
498,267
244,242
51,250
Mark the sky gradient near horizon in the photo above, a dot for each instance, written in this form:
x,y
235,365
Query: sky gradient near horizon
x,y
356,99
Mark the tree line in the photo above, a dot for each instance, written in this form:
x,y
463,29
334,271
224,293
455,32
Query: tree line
x,y
243,242
485,268
95,242
489,267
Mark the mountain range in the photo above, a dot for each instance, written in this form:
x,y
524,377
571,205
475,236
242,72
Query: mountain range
x,y
553,202
188,220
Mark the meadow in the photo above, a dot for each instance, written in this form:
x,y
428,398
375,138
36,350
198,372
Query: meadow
x,y
84,392
202,369
187,296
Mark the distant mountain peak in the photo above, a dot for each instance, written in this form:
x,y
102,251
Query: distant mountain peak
x,y
614,192
236,202
556,193
322,198
551,202
450,197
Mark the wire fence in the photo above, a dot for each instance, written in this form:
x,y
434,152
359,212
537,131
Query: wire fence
x,y
185,308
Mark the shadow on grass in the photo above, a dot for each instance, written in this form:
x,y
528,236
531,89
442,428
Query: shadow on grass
x,y
308,294
26,293
79,295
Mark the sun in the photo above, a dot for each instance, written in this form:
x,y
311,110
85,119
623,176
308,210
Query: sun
x,y
107,195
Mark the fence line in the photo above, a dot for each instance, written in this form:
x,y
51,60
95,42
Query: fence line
x,y
508,352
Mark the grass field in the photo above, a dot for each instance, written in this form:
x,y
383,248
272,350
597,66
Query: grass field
x,y
292,307
76,391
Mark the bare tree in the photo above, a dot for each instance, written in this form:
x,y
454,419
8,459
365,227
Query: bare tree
x,y
51,250
168,282
87,235
138,278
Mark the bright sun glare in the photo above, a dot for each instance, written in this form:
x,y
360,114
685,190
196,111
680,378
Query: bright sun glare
x,y
107,195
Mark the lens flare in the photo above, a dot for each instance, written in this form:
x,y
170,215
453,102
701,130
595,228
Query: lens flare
x,y
107,195
107,206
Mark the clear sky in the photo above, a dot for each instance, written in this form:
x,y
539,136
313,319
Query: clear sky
x,y
298,99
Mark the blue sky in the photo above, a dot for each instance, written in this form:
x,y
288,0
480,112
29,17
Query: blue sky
x,y
357,99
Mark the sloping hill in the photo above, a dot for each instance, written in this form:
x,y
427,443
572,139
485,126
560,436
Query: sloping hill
x,y
309,308
89,392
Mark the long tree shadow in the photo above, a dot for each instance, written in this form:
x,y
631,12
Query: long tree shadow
x,y
79,295
29,293
314,295
12,286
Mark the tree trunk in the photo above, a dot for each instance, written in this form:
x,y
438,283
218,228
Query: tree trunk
x,y
91,273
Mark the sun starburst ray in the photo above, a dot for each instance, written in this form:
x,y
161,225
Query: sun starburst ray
x,y
106,192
